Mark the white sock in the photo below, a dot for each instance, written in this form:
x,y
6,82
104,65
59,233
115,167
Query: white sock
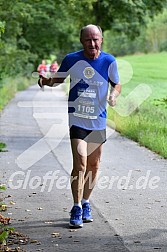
x,y
78,204
85,201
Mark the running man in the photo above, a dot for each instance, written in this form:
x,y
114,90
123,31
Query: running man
x,y
91,71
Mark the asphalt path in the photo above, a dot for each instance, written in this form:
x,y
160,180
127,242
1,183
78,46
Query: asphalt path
x,y
129,202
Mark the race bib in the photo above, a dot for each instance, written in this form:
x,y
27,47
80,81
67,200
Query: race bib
x,y
86,105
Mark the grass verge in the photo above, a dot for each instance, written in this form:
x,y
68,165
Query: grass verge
x,y
9,87
147,124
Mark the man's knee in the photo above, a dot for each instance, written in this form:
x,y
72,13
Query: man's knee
x,y
93,165
78,168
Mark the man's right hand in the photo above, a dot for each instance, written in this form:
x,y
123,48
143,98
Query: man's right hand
x,y
43,81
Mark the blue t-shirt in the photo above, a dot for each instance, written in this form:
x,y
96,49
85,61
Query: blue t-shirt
x,y
89,81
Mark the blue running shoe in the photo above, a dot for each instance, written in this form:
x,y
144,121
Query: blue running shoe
x,y
86,213
76,217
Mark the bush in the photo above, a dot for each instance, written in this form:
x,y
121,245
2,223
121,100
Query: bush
x,y
163,46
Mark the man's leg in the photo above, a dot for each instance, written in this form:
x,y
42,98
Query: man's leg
x,y
93,161
79,168
86,159
77,180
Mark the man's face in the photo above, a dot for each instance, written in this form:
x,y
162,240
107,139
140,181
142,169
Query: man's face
x,y
91,40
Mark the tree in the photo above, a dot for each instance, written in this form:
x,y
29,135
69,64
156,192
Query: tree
x,y
35,29
156,32
13,60
126,16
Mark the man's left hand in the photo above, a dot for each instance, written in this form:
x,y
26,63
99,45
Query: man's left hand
x,y
112,98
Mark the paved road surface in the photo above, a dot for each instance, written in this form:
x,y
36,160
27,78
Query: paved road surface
x,y
129,201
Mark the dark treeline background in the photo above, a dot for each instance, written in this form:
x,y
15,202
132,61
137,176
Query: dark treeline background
x,y
32,30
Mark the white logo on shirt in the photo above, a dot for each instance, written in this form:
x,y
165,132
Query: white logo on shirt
x,y
89,72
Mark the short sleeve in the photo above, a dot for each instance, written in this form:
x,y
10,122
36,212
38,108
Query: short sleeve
x,y
64,67
113,73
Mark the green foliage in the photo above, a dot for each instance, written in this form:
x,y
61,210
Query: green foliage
x,y
153,38
163,46
2,27
3,237
3,232
33,30
3,187
2,146
4,229
156,32
13,14
125,16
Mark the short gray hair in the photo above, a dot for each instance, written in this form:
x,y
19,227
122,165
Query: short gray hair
x,y
87,26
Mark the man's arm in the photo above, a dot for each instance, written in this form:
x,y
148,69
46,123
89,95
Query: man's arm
x,y
114,94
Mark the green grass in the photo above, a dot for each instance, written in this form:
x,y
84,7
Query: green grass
x,y
148,123
9,87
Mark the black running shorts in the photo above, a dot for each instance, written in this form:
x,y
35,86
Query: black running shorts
x,y
89,136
